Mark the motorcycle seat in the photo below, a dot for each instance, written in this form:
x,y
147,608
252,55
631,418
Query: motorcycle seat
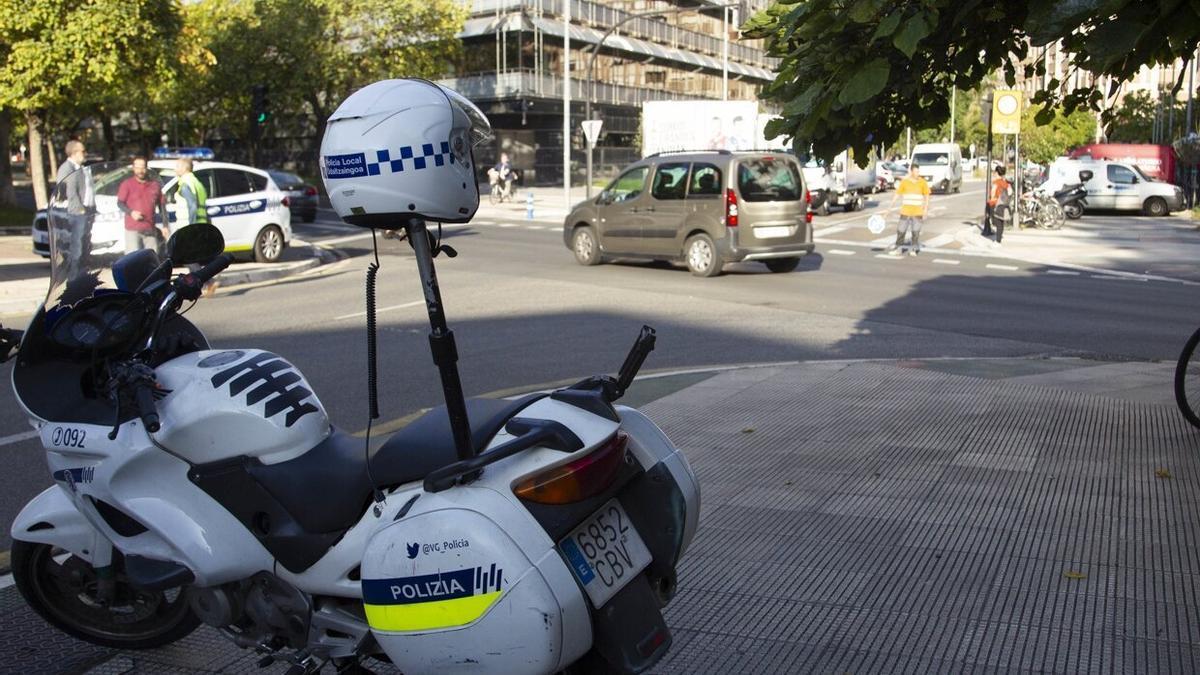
x,y
1067,189
327,489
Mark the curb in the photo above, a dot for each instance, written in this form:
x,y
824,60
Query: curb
x,y
228,279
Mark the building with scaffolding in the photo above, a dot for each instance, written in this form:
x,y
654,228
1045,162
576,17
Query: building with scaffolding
x,y
513,69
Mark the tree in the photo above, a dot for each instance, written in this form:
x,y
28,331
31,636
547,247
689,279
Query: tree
x,y
857,72
311,54
60,55
1042,143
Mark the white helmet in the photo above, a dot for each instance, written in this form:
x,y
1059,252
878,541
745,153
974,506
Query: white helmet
x,y
398,149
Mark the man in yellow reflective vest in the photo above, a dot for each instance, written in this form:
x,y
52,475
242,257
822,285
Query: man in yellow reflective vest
x,y
191,206
913,193
191,199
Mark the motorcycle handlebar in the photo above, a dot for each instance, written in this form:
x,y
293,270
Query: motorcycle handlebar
x,y
189,285
144,399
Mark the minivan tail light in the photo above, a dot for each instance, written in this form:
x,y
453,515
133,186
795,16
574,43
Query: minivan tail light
x,y
578,479
808,206
731,208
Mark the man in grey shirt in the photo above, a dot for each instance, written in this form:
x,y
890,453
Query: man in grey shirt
x,y
71,177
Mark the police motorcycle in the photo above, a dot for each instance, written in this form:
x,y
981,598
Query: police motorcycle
x,y
199,485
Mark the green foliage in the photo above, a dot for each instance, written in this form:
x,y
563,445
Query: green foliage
x,y
60,54
309,53
835,92
1043,143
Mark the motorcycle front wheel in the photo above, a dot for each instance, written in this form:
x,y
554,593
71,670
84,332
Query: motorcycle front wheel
x,y
63,590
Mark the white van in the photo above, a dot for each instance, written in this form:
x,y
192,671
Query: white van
x,y
940,165
243,203
1116,185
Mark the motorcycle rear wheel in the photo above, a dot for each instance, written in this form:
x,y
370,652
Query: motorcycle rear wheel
x,y
1073,210
61,589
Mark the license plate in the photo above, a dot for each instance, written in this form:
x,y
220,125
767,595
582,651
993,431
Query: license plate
x,y
772,232
605,552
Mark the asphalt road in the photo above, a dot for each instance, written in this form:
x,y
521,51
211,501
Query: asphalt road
x,y
525,313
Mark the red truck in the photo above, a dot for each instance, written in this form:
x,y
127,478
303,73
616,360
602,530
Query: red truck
x,y
1156,161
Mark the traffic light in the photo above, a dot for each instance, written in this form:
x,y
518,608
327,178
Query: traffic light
x,y
260,110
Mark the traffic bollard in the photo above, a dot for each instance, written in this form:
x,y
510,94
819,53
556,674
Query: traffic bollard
x,y
529,206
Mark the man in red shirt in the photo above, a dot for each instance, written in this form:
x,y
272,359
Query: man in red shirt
x,y
137,197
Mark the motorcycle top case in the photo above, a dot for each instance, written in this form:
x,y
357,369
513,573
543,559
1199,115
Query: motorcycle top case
x,y
448,589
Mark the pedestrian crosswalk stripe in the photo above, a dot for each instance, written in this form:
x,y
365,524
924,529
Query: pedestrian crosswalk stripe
x,y
828,230
940,240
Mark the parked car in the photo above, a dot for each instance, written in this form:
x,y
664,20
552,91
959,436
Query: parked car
x,y
243,202
303,196
1117,185
940,164
887,174
702,208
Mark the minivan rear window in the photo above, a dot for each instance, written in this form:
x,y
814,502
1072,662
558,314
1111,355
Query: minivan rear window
x,y
769,180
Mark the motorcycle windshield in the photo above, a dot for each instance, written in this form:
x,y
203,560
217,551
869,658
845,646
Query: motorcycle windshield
x,y
84,312
87,229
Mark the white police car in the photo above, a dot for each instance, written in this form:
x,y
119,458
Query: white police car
x,y
243,202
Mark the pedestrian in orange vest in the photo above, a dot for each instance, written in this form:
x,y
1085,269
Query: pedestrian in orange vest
x,y
913,193
998,206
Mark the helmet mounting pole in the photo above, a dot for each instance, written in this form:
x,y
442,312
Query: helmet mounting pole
x,y
441,339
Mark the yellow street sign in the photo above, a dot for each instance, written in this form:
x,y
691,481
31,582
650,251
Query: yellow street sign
x,y
1006,111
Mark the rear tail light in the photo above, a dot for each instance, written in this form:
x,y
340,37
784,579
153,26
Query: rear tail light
x,y
807,206
310,191
287,201
578,479
731,208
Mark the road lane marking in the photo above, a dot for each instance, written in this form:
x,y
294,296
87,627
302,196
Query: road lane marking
x,y
886,256
1116,278
1065,273
534,227
17,438
343,240
840,251
828,230
508,225
1006,268
883,240
943,261
414,303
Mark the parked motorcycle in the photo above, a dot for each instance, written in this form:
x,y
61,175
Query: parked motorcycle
x,y
1073,197
195,484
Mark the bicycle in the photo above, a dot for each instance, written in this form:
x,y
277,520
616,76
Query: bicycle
x,y
1040,211
1187,381
502,191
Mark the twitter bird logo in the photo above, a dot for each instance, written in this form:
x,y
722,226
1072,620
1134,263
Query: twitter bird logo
x,y
413,549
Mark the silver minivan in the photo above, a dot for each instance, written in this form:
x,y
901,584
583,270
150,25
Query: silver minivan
x,y
704,209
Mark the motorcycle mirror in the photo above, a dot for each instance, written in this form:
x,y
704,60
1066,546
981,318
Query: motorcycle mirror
x,y
197,243
131,270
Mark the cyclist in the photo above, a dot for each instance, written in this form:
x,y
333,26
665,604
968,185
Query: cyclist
x,y
503,175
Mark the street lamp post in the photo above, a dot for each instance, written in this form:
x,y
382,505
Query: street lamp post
x,y
587,115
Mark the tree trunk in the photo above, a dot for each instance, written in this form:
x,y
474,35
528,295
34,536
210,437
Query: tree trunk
x,y
110,143
53,156
37,172
8,196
